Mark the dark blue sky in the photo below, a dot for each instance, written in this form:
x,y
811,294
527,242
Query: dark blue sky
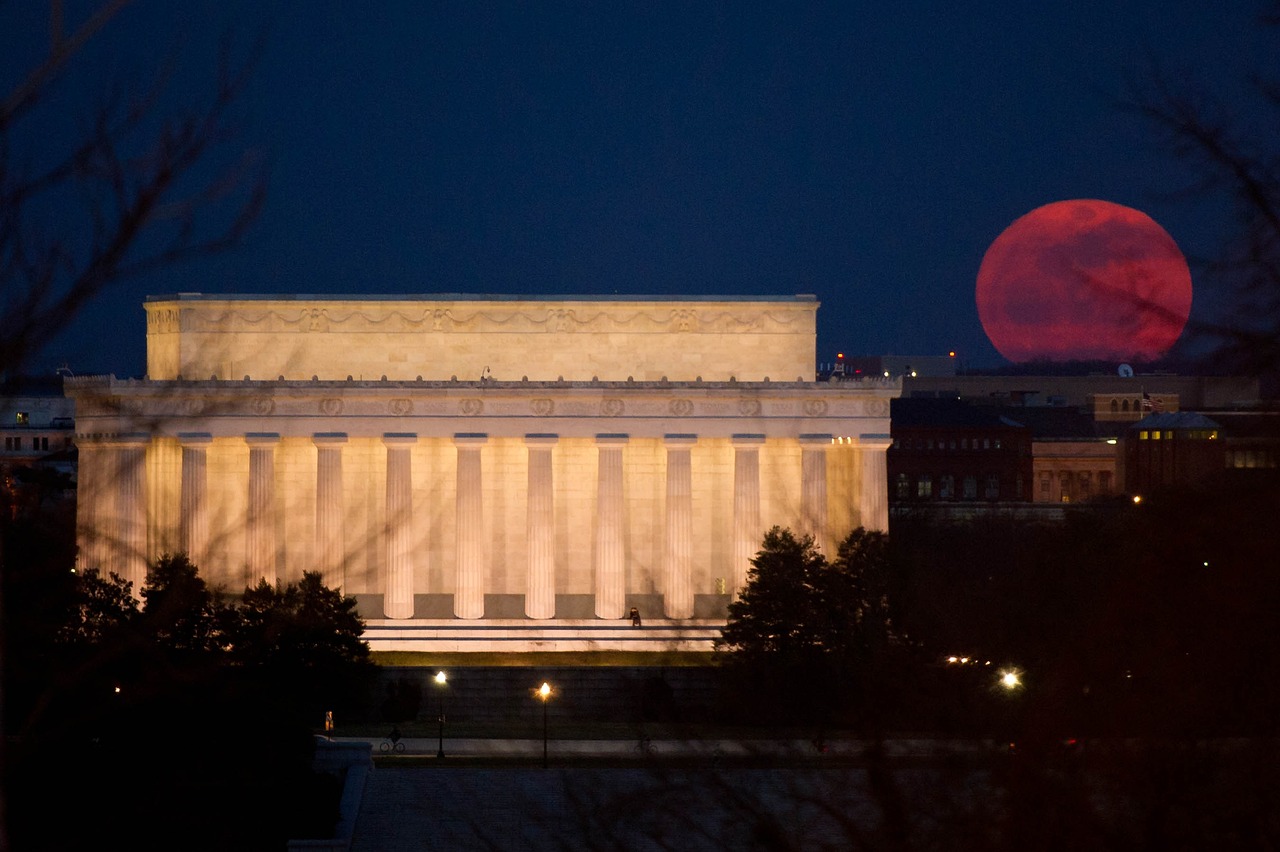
x,y
866,156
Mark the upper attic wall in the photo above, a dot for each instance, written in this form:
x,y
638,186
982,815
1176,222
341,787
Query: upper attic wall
x,y
506,338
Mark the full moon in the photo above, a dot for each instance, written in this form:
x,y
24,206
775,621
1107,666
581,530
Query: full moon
x,y
1083,280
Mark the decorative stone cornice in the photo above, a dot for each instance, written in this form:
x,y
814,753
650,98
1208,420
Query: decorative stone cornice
x,y
167,407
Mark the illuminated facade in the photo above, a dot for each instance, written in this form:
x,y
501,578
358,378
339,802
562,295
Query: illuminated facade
x,y
481,472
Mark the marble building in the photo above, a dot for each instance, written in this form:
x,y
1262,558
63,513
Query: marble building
x,y
480,472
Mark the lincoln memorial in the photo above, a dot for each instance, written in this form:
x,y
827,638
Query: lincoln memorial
x,y
480,472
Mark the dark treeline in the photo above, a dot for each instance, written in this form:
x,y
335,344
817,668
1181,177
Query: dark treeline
x,y
1150,619
183,720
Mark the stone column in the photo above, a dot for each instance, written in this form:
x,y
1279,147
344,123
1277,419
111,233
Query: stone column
x,y
746,507
330,542
874,493
260,525
397,599
540,592
813,487
129,531
610,565
91,493
677,588
468,595
193,512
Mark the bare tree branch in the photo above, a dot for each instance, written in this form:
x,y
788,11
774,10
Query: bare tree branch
x,y
143,189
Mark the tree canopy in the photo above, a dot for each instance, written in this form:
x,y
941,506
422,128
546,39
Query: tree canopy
x,y
209,700
816,630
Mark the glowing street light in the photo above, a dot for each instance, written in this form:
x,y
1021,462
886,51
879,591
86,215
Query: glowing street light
x,y
544,692
1010,680
441,682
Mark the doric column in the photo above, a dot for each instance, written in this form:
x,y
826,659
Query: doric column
x,y
193,512
678,554
260,525
330,543
874,494
91,493
540,592
468,596
397,599
610,565
746,507
813,486
129,530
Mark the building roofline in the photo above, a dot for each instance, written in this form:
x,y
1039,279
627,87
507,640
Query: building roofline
x,y
804,298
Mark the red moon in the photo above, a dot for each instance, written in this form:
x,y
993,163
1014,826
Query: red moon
x,y
1083,280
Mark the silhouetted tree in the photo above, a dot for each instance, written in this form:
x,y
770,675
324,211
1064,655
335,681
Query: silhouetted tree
x,y
101,609
179,614
814,632
1233,152
305,638
134,188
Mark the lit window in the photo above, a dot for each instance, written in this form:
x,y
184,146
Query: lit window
x,y
1143,435
23,418
1155,435
924,486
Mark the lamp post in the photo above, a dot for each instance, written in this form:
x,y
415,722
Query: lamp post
x,y
544,692
441,682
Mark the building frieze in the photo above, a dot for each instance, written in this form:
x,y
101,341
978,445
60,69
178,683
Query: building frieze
x,y
158,400
381,318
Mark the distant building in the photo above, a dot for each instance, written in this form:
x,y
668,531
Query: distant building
x,y
1193,392
888,366
1075,457
37,456
1172,449
948,451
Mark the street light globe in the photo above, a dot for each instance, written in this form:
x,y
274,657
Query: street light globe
x,y
1010,680
440,678
544,691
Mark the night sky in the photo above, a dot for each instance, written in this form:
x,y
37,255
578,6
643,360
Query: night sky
x,y
868,156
